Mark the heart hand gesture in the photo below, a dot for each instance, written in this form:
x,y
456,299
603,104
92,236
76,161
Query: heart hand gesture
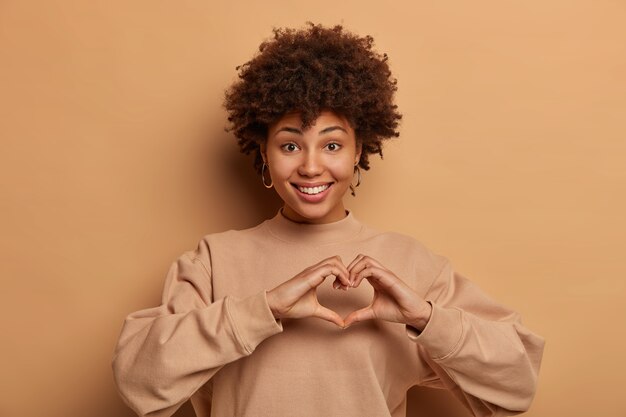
x,y
393,299
297,297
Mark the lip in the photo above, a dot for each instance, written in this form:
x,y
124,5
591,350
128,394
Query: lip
x,y
313,184
313,198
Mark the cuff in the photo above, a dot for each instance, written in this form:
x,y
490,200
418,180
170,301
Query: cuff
x,y
252,319
442,334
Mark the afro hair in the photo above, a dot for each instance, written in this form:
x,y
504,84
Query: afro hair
x,y
310,70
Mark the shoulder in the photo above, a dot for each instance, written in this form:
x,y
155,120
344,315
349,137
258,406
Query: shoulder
x,y
426,260
231,239
236,236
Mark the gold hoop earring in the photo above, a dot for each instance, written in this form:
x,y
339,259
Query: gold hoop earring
x,y
263,177
358,182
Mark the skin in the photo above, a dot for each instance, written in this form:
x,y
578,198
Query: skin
x,y
327,152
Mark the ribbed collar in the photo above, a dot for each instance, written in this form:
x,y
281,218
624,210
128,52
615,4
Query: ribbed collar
x,y
288,230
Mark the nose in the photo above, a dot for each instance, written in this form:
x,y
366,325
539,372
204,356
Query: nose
x,y
311,165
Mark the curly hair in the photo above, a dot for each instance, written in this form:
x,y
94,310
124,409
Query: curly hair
x,y
309,70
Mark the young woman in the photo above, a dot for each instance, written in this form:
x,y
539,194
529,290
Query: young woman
x,y
247,325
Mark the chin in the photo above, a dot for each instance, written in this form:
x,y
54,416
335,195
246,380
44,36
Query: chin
x,y
313,212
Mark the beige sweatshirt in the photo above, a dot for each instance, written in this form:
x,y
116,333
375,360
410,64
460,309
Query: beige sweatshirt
x,y
215,341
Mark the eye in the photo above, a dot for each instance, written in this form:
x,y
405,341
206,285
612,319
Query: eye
x,y
334,144
284,147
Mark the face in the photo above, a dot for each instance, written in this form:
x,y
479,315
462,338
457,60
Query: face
x,y
320,158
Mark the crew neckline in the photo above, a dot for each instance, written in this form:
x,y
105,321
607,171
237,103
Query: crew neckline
x,y
289,230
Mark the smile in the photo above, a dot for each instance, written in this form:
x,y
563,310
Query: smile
x,y
313,194
312,190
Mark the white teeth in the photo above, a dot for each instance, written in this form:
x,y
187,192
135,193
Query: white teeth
x,y
314,190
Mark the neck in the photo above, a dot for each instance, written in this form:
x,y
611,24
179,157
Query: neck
x,y
337,213
286,229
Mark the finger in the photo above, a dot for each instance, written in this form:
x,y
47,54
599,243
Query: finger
x,y
359,275
367,259
323,261
379,277
352,268
318,274
358,269
359,264
333,267
374,262
335,260
363,270
395,287
346,274
338,285
329,315
355,260
363,314
338,262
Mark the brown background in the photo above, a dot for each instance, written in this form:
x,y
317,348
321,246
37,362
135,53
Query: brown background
x,y
114,161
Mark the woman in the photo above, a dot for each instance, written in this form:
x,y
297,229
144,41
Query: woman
x,y
238,330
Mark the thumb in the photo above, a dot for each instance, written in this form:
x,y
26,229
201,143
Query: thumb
x,y
329,315
363,314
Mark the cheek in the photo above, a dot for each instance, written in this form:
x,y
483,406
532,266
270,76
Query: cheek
x,y
283,170
342,171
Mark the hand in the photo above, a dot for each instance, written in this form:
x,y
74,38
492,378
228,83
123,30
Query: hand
x,y
393,299
297,298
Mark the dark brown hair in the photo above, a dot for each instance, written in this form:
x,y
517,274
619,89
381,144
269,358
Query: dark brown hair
x,y
309,70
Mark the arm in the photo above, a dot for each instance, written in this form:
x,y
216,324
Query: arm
x,y
477,348
165,354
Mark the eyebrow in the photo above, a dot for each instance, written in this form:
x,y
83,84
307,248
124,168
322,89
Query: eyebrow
x,y
299,132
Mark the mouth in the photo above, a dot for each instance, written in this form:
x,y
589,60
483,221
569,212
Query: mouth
x,y
312,190
313,194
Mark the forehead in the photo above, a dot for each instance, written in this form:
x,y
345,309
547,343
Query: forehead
x,y
326,118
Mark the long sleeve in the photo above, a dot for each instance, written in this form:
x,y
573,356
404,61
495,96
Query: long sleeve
x,y
165,354
477,348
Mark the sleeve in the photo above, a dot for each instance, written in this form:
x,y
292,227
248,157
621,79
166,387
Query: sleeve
x,y
165,354
477,348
